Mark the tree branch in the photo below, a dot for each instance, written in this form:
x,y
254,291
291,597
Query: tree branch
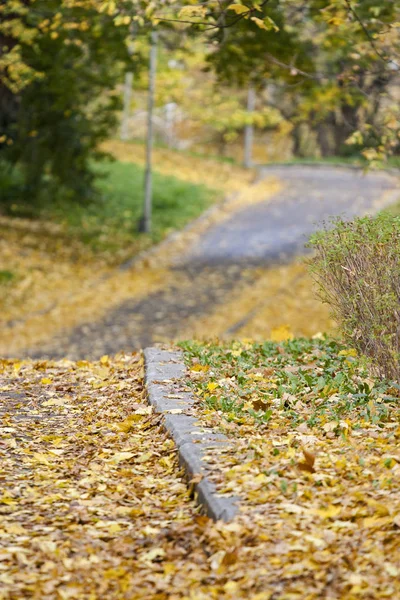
x,y
218,24
371,40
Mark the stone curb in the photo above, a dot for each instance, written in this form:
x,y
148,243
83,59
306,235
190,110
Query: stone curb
x,y
320,165
164,371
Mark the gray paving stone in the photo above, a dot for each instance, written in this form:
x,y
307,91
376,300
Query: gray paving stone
x,y
165,370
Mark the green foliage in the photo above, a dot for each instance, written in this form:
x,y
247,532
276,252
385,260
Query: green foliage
x,y
6,276
60,114
357,267
314,381
116,217
331,65
110,223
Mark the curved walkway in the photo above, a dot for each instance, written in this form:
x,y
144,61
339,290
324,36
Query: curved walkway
x,y
228,253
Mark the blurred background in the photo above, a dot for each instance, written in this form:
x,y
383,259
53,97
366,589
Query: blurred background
x,y
124,122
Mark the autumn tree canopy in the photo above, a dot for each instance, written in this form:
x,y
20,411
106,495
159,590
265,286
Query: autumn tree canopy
x,y
331,63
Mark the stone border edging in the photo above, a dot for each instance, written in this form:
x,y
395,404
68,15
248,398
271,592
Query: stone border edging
x,y
163,370
320,165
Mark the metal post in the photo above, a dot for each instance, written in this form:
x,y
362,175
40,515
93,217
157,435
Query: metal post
x,y
249,129
145,223
127,106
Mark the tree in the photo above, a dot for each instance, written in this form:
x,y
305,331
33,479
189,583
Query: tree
x,y
61,65
331,65
333,61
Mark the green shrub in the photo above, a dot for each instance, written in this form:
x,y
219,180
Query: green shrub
x,y
357,268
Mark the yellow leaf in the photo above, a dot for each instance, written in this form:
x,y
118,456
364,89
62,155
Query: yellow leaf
x,y
328,513
280,334
54,402
392,570
330,426
121,456
152,554
15,529
144,410
169,568
46,381
111,526
348,352
376,522
294,509
236,352
128,424
202,368
144,457
267,24
239,9
56,451
192,11
41,457
7,500
381,509
270,24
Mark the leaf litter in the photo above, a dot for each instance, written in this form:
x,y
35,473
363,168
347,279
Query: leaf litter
x,y
93,504
314,457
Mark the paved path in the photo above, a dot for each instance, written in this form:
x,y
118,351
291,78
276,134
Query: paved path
x,y
266,232
260,234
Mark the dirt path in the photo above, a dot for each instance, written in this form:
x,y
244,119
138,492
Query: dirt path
x,y
230,256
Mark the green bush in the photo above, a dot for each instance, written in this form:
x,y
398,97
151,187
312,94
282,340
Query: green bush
x,y
357,268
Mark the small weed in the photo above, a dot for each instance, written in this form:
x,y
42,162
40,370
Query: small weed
x,y
6,277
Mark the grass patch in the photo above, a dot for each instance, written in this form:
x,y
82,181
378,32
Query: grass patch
x,y
393,162
313,381
110,222
327,160
6,276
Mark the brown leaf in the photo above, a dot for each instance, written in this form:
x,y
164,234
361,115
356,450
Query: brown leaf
x,y
230,557
309,461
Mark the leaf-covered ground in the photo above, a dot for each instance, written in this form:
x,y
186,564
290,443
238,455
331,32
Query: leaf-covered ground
x,y
280,296
314,457
93,504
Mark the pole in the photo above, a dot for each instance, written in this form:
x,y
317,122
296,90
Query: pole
x,y
127,106
145,223
249,129
169,123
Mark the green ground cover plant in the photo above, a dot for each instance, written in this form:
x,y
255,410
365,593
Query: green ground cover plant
x,y
357,268
393,162
6,276
317,382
